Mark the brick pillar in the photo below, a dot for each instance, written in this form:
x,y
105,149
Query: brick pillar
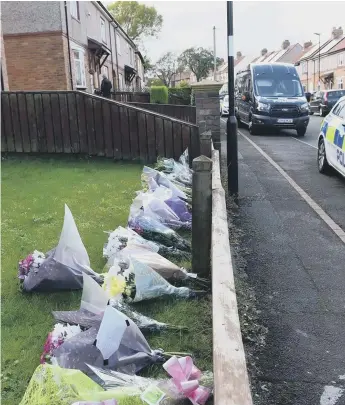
x,y
208,107
3,63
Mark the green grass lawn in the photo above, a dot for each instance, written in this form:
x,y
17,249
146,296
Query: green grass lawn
x,y
99,194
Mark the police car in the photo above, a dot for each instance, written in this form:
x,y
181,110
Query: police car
x,y
331,143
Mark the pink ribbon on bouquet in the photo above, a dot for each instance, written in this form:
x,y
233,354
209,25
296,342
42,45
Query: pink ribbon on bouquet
x,y
106,402
185,376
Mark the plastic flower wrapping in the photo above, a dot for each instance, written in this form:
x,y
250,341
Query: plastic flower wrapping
x,y
152,206
93,304
143,283
61,268
151,229
126,237
59,386
158,263
117,344
59,334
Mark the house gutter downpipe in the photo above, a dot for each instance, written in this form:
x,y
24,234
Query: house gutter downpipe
x,y
68,46
232,159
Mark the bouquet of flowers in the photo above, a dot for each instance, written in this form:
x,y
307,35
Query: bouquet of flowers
x,y
151,206
59,334
143,283
151,179
117,344
93,304
126,237
61,268
158,263
122,237
187,382
151,229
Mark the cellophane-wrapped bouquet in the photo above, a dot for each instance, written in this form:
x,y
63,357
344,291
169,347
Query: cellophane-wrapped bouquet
x,y
61,268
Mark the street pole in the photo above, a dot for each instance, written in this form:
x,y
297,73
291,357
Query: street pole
x,y
319,35
232,159
214,54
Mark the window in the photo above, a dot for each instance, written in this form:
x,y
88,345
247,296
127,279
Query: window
x,y
118,44
79,68
340,83
74,6
305,67
341,59
121,81
339,109
130,55
103,34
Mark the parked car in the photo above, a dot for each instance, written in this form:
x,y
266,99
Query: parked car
x,y
331,143
224,107
270,96
323,101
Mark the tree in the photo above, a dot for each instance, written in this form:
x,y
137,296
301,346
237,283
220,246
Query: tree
x,y
136,19
165,68
199,60
154,82
147,64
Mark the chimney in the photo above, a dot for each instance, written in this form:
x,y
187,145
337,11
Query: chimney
x,y
285,44
238,55
263,52
307,44
337,32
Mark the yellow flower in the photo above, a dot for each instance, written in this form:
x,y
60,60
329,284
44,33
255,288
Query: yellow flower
x,y
113,285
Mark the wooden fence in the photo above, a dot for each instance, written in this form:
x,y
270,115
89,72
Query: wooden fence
x,y
128,96
80,123
181,112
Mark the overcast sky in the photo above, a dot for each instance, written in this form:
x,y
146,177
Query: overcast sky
x,y
257,25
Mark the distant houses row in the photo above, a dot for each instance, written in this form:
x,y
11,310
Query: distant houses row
x,y
64,45
306,58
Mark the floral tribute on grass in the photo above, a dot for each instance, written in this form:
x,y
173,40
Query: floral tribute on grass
x,y
93,354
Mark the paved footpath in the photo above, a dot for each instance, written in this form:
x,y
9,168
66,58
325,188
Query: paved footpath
x,y
296,264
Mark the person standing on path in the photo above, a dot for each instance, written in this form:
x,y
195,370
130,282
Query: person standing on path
x,y
106,87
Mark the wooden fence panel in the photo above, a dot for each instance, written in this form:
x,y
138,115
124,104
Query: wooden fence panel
x,y
124,120
23,117
65,121
48,123
160,141
177,137
142,137
75,122
99,130
133,130
16,123
181,112
90,126
168,138
57,122
107,130
116,131
41,130
77,131
8,131
151,138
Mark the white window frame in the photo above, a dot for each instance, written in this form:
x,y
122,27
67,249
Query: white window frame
x,y
118,43
103,30
74,8
304,67
341,58
121,81
340,83
79,63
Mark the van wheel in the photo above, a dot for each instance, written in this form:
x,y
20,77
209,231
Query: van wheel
x,y
301,132
322,163
253,129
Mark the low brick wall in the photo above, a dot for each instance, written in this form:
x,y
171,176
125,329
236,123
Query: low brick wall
x,y
231,383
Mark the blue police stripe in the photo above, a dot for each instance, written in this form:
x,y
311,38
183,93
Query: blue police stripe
x,y
338,139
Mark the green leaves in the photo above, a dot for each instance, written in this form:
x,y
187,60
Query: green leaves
x,y
165,68
136,19
199,60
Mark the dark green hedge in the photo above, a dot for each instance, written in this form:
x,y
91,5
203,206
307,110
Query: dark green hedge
x,y
180,95
159,95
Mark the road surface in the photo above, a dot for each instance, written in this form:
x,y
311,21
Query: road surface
x,y
292,217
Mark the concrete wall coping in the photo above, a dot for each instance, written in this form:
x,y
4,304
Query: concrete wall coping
x,y
231,382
